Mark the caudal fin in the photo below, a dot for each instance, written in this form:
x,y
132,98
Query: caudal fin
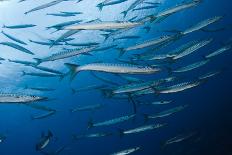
x,y
72,70
121,51
100,6
124,13
38,61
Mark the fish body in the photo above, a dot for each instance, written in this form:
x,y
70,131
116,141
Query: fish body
x,y
192,48
103,26
112,121
219,51
18,98
42,116
178,88
127,151
108,3
19,26
112,68
201,25
191,66
88,108
167,112
13,38
44,141
18,47
142,129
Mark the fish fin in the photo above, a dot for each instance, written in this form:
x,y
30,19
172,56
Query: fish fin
x,y
147,28
88,54
100,6
133,102
73,91
90,124
124,13
145,116
121,51
121,132
106,36
38,60
107,92
23,73
72,70
3,26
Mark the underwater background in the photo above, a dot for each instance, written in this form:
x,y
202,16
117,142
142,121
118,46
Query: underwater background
x,y
208,114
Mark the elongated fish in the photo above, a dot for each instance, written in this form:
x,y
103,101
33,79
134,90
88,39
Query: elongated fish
x,y
39,88
93,135
111,122
19,98
132,6
46,69
178,87
190,67
61,14
88,107
127,151
44,141
26,63
111,68
13,38
42,116
201,25
45,6
82,44
18,47
145,8
219,51
126,37
164,14
130,88
166,112
60,26
103,26
19,26
66,54
49,43
146,44
141,129
109,2
208,75
155,103
179,138
192,48
87,88
40,107
41,74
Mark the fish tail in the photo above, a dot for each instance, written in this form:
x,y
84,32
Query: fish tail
x,y
72,70
121,51
23,73
106,36
147,28
121,133
107,92
38,61
100,6
3,26
124,13
145,116
90,124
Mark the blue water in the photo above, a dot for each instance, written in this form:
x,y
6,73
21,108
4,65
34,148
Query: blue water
x,y
208,114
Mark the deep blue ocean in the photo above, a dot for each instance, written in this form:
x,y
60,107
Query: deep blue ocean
x,y
208,114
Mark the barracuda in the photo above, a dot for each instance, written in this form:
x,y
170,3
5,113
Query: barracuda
x,y
66,54
111,68
111,122
19,98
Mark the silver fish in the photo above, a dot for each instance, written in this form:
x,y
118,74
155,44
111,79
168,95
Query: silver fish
x,y
111,68
219,51
19,98
13,38
111,122
127,151
18,47
44,141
